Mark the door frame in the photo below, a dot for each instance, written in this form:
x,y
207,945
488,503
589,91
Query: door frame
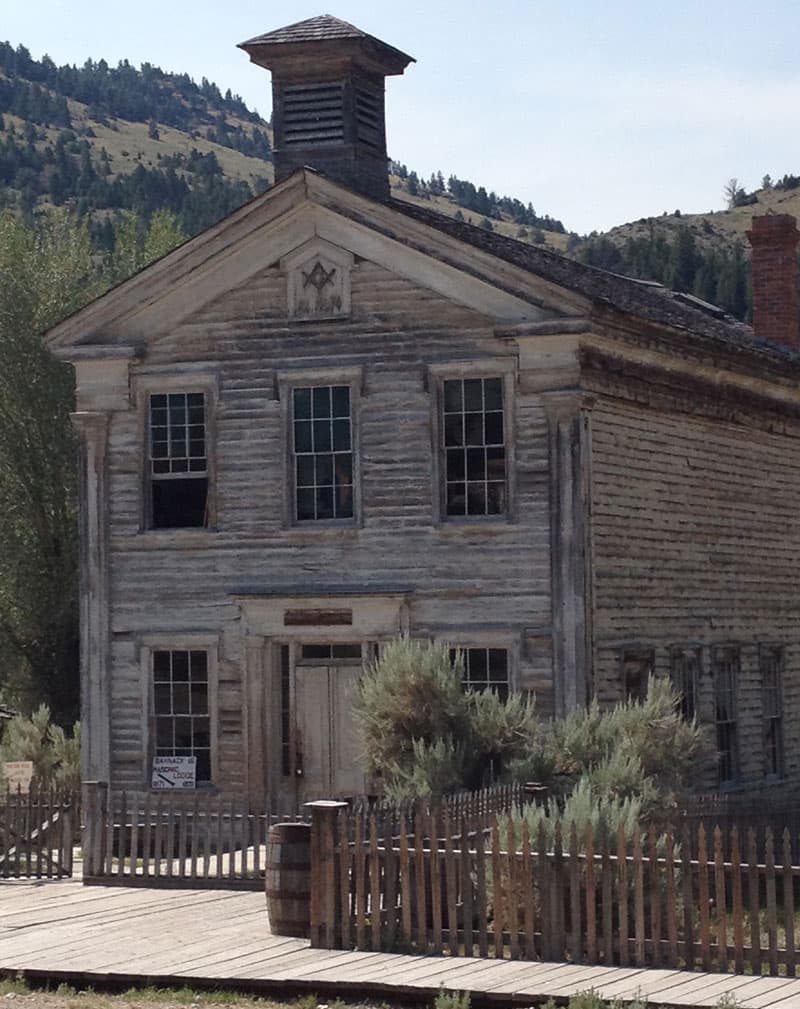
x,y
269,621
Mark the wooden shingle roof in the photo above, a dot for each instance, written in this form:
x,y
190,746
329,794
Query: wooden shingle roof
x,y
317,29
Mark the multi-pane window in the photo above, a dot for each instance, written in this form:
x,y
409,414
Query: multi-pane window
x,y
322,652
322,450
638,665
685,673
180,707
725,673
771,668
484,668
178,461
473,426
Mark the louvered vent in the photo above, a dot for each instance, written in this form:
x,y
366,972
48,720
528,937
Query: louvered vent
x,y
369,119
313,113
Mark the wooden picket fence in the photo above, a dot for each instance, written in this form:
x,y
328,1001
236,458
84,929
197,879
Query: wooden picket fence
x,y
173,839
37,833
431,884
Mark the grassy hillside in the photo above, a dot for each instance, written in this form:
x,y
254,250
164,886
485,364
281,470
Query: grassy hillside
x,y
103,140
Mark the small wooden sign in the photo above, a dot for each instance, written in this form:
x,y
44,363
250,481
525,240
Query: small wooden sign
x,y
173,772
317,618
18,775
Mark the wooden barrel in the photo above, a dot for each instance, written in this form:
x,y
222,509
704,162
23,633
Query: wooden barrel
x,y
288,879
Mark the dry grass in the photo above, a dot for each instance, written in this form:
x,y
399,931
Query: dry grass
x,y
16,994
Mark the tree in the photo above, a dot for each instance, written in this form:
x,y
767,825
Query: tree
x,y
731,192
45,273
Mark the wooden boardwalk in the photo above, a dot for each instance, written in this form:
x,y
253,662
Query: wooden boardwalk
x,y
115,935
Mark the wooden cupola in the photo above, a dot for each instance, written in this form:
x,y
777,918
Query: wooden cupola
x,y
328,100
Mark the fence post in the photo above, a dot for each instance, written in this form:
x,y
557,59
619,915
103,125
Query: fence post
x,y
93,833
323,872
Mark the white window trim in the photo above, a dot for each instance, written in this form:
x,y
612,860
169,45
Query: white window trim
x,y
200,642
294,378
152,381
506,368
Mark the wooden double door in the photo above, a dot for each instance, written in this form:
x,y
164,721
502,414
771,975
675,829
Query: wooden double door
x,y
326,745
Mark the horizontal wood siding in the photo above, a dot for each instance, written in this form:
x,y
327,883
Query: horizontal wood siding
x,y
696,542
470,580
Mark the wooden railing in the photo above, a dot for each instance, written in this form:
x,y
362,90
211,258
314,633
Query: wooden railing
x,y
174,839
430,884
36,833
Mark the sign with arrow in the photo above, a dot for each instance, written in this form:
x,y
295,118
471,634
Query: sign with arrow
x,y
173,772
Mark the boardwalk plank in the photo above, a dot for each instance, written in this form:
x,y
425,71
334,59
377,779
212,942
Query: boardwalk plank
x,y
185,936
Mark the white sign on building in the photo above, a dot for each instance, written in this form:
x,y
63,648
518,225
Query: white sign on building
x,y
173,772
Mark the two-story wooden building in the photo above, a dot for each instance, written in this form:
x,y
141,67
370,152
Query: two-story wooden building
x,y
335,417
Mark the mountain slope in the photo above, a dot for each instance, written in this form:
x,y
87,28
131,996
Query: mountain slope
x,y
103,140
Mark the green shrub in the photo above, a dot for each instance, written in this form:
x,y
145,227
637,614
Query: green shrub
x,y
426,734
54,754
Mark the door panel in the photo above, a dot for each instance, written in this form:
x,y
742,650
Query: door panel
x,y
347,778
326,742
313,730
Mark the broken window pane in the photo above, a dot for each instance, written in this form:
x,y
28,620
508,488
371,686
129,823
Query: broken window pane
x,y
178,460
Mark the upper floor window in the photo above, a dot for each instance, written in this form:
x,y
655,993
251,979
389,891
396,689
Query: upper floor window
x,y
178,460
474,446
771,668
485,669
725,664
322,452
180,707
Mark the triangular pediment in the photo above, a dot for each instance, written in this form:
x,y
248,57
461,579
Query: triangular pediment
x,y
313,230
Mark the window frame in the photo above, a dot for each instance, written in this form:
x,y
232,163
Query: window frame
x,y
778,652
731,654
506,369
209,643
147,383
300,378
487,684
504,640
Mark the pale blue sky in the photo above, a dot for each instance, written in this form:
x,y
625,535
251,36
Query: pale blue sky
x,y
596,112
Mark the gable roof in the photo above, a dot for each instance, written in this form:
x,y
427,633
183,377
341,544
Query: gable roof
x,y
414,228
646,299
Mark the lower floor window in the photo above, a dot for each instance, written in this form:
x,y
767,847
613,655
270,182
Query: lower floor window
x,y
725,671
771,669
180,707
638,665
485,669
685,674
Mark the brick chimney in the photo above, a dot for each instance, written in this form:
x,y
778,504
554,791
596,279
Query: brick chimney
x,y
328,113
774,239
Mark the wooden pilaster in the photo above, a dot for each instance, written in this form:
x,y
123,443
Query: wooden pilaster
x,y
95,656
569,452
257,718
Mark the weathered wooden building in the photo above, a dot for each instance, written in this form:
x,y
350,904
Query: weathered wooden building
x,y
335,417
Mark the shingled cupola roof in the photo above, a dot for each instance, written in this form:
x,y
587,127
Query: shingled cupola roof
x,y
328,100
